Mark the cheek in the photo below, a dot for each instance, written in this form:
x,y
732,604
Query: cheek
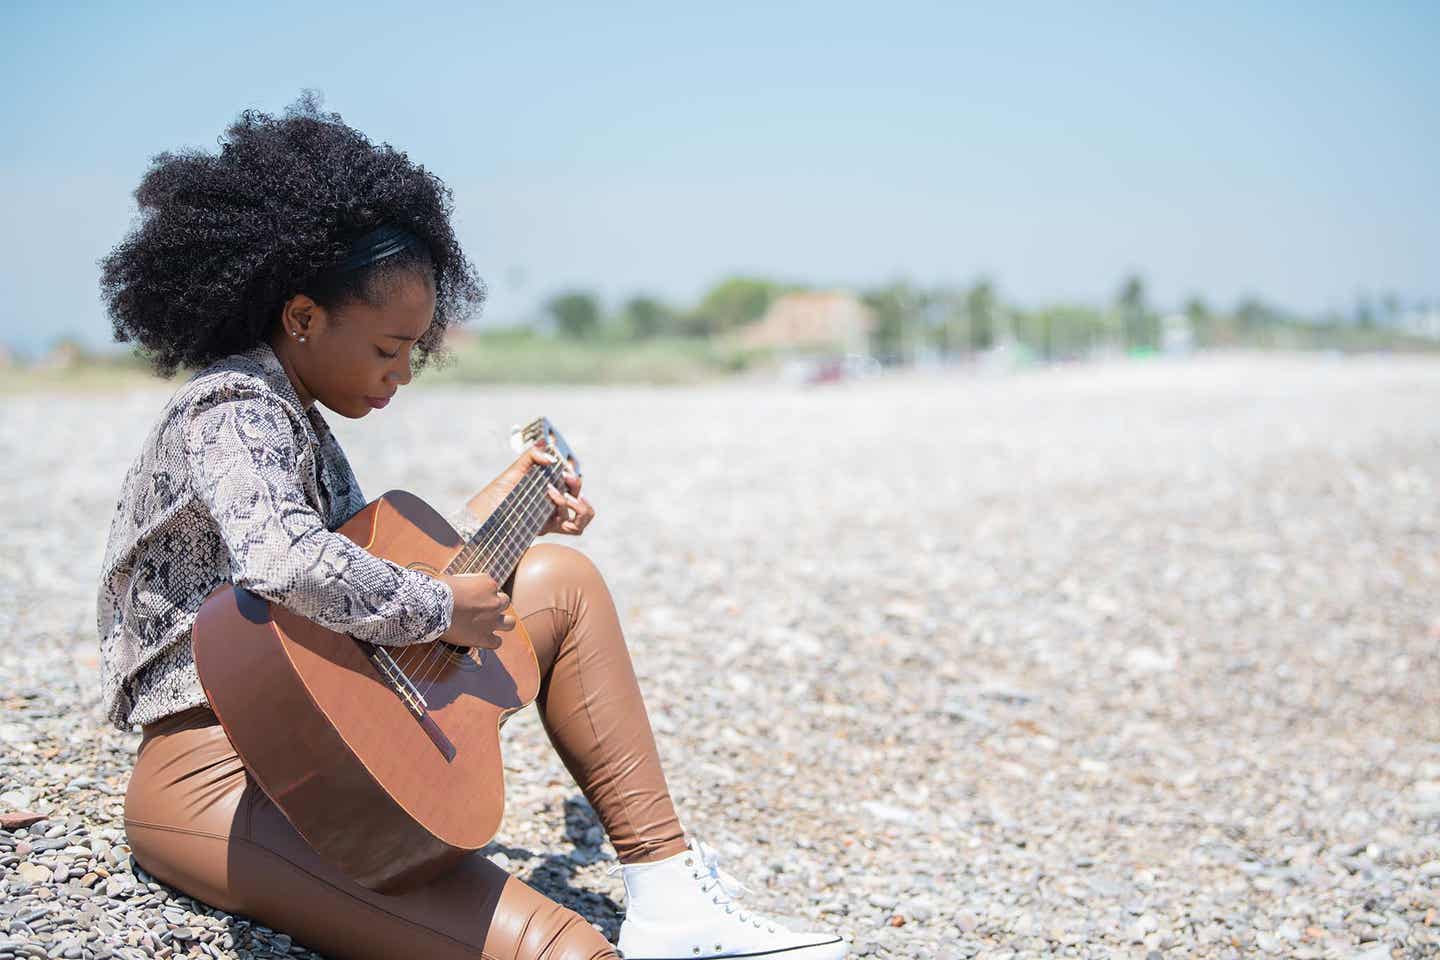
x,y
364,365
351,373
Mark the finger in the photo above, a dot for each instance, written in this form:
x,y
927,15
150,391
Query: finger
x,y
573,482
529,457
559,513
507,622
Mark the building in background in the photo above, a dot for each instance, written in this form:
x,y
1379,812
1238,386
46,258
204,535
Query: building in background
x,y
820,322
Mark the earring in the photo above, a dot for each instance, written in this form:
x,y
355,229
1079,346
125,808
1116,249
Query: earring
x,y
302,339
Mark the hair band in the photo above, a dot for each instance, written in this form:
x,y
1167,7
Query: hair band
x,y
382,242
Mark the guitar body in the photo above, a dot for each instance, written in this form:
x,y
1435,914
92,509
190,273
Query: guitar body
x,y
390,789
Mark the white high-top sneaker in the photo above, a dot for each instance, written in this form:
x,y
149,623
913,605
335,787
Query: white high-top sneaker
x,y
684,908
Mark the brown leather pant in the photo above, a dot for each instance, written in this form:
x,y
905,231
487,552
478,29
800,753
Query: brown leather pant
x,y
197,822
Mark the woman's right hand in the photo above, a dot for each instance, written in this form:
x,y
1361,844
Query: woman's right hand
x,y
479,611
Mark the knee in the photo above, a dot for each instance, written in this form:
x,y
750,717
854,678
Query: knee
x,y
554,563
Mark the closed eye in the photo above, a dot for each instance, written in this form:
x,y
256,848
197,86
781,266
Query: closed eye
x,y
388,356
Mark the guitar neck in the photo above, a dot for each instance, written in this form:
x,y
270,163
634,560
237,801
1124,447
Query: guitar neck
x,y
506,534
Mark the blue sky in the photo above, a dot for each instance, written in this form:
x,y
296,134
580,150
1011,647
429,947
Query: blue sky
x,y
1283,150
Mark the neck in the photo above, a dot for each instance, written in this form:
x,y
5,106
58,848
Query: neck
x,y
283,352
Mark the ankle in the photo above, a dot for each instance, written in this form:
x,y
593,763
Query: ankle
x,y
665,857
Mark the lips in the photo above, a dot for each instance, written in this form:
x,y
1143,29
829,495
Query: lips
x,y
377,402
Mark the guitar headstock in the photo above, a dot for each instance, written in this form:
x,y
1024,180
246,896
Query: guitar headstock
x,y
541,429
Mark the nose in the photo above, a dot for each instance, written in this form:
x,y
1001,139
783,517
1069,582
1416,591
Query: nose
x,y
400,378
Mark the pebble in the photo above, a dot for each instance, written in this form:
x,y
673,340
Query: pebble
x,y
1380,952
33,873
1067,662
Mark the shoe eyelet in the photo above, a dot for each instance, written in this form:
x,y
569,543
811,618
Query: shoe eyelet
x,y
718,947
697,949
689,862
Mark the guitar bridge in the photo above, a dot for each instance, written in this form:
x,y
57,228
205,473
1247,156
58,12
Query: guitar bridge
x,y
413,699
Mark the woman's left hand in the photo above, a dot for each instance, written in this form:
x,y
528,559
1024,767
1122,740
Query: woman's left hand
x,y
573,512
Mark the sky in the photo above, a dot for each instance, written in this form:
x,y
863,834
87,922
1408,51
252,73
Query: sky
x,y
1287,151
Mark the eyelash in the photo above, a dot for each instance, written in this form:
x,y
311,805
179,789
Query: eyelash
x,y
387,356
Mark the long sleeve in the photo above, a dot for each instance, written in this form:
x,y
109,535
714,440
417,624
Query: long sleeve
x,y
243,454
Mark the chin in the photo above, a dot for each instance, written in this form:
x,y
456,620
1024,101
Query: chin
x,y
353,412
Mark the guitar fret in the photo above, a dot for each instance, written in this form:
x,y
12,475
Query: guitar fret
x,y
497,546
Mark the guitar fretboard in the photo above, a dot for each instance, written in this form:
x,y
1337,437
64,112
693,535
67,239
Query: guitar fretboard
x,y
506,534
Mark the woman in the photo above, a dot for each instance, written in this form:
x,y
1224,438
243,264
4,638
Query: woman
x,y
305,266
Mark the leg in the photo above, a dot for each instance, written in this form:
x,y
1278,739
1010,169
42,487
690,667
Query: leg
x,y
590,702
198,823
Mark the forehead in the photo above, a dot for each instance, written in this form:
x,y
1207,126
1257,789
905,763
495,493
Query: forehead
x,y
402,308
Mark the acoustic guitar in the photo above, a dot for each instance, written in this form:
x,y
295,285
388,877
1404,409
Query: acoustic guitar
x,y
385,759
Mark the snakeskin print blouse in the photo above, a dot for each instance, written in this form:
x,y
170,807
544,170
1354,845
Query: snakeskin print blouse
x,y
238,483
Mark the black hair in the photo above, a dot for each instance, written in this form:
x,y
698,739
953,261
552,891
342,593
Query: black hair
x,y
223,241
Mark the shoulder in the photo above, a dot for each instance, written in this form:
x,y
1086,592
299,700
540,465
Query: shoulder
x,y
236,377
246,379
235,392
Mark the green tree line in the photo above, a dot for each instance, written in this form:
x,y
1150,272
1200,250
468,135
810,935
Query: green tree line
x,y
912,320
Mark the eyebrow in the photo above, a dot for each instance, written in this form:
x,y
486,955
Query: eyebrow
x,y
398,336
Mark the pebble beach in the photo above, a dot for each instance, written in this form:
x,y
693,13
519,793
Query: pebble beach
x,y
1134,659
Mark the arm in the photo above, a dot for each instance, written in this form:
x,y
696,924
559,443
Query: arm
x,y
242,451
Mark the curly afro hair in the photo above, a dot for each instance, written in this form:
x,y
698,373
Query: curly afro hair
x,y
224,241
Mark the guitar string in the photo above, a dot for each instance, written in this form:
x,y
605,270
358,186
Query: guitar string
x,y
521,501
522,505
474,549
431,668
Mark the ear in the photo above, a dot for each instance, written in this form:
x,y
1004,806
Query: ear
x,y
303,317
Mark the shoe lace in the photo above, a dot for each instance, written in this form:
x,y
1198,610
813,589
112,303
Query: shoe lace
x,y
711,877
728,886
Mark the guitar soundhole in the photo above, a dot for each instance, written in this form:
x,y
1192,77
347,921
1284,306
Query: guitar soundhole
x,y
463,658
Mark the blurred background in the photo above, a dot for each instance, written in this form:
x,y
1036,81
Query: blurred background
x,y
814,190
